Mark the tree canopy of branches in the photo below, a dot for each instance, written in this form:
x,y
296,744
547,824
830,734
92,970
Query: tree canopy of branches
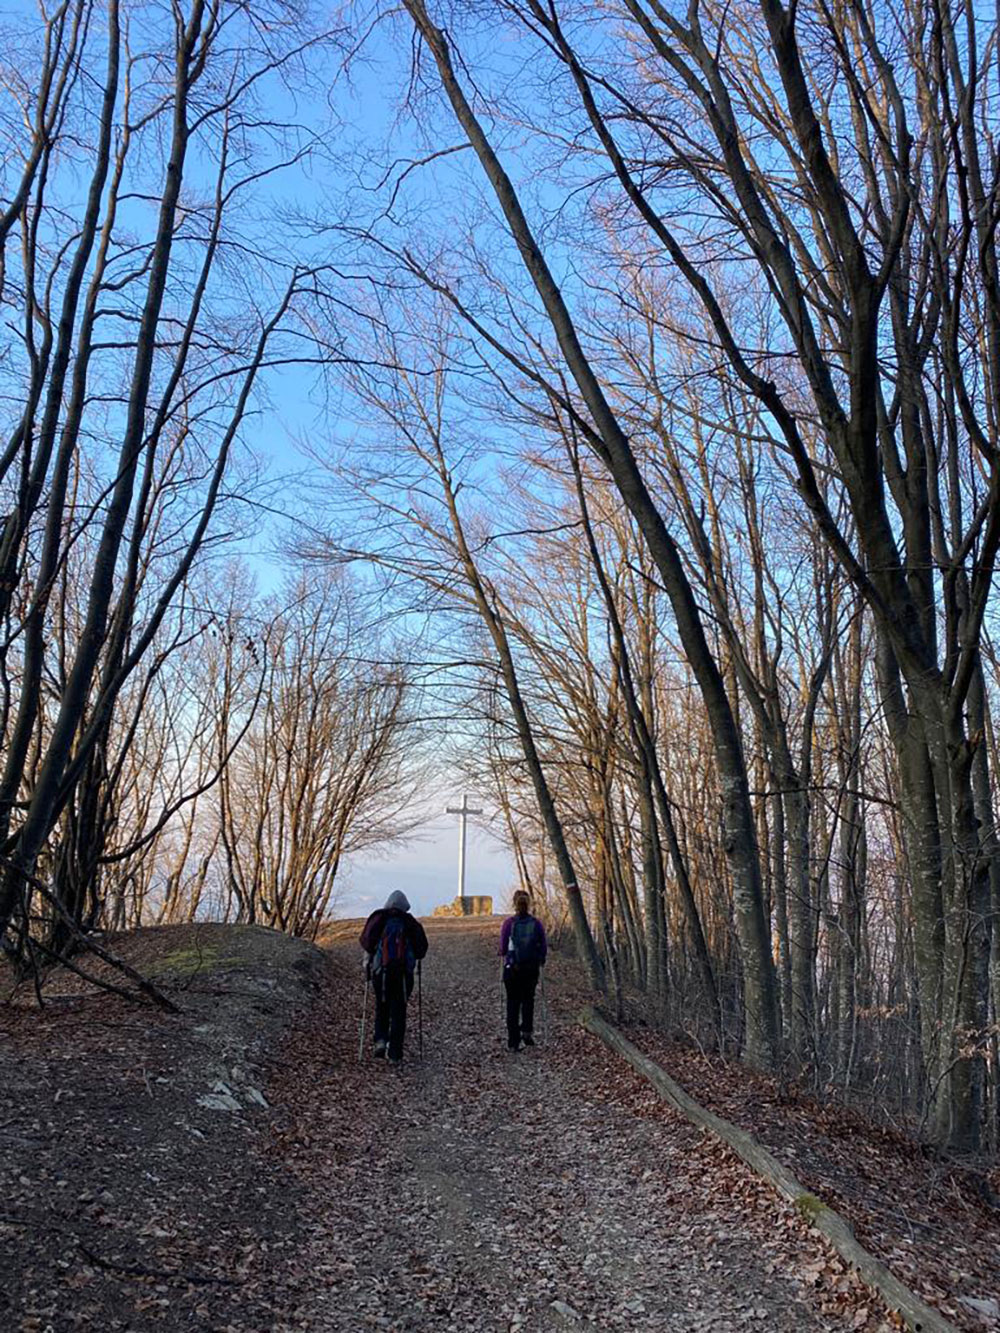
x,y
745,256
664,347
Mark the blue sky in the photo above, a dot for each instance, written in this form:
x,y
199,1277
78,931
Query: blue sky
x,y
304,409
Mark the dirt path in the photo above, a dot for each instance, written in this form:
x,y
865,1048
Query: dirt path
x,y
234,1169
548,1190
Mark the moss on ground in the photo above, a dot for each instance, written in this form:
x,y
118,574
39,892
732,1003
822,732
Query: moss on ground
x,y
188,962
809,1206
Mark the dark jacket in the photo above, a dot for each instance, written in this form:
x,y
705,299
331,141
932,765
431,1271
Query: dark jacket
x,y
375,924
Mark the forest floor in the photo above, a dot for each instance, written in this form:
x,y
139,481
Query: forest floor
x,y
144,1184
932,1219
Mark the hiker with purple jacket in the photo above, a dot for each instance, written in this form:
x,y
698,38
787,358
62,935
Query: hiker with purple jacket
x,y
523,947
394,942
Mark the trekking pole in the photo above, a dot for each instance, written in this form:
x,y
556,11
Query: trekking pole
x,y
364,1011
545,1012
420,1006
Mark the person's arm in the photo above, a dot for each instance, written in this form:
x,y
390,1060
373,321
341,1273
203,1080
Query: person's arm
x,y
371,932
505,936
545,943
418,939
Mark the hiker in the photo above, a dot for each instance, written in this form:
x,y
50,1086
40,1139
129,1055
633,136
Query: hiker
x,y
394,942
523,947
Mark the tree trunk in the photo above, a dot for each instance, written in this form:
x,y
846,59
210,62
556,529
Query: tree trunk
x,y
612,446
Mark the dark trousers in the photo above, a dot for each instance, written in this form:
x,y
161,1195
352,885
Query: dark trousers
x,y
392,990
520,983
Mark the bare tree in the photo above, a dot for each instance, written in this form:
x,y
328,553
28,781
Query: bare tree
x,y
139,327
328,766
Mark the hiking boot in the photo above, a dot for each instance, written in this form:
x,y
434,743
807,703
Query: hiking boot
x,y
527,1038
395,1060
378,1050
513,1046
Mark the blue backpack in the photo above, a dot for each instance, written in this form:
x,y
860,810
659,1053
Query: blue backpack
x,y
393,951
524,947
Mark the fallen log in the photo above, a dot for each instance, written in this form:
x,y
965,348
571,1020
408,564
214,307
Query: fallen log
x,y
919,1317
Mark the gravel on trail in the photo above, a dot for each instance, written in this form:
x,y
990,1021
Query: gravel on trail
x,y
477,1189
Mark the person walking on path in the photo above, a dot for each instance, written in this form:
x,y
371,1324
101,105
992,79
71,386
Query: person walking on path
x,y
523,947
395,942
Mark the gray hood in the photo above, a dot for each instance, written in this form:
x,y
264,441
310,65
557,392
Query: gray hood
x,y
397,899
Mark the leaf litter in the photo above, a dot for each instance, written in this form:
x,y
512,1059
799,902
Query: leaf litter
x,y
472,1190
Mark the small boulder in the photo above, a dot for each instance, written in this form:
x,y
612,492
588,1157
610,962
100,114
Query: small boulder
x,y
219,1101
565,1310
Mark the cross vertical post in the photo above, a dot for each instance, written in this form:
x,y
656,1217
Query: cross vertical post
x,y
463,811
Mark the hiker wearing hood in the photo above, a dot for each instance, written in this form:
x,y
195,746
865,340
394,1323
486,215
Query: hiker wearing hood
x,y
394,942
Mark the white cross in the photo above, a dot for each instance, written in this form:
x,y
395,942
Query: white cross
x,y
463,811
